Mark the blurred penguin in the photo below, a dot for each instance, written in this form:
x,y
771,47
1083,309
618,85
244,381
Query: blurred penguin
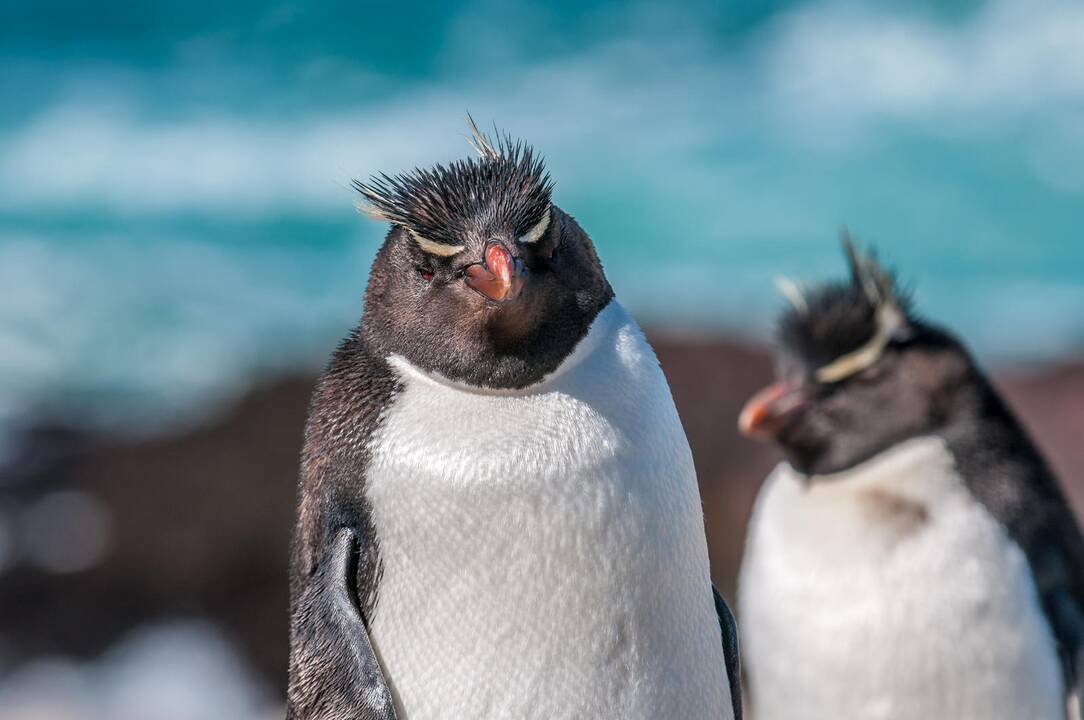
x,y
498,513
913,557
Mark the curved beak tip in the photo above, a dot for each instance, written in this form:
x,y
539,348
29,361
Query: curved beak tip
x,y
769,410
750,419
500,263
498,277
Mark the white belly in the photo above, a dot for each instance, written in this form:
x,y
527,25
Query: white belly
x,y
543,551
855,606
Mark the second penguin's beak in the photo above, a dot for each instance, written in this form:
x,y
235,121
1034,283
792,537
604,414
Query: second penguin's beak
x,y
499,277
771,409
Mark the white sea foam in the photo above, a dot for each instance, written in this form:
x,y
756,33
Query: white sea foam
x,y
664,85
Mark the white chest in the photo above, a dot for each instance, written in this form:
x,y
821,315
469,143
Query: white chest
x,y
544,552
889,592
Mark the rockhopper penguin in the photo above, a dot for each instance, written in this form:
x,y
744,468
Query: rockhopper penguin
x,y
498,513
913,557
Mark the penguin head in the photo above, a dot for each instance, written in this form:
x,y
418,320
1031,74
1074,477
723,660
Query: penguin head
x,y
481,279
857,372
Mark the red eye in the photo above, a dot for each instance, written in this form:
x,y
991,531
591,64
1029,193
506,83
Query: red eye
x,y
426,275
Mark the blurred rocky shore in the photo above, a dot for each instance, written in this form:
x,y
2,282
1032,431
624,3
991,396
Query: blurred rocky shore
x,y
195,526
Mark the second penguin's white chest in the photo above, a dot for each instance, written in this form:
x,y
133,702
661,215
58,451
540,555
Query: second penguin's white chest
x,y
543,553
890,592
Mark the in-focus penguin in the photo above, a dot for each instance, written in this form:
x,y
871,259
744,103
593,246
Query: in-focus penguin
x,y
913,557
498,513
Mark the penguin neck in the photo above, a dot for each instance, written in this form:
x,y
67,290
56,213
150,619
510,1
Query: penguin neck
x,y
603,325
910,458
985,436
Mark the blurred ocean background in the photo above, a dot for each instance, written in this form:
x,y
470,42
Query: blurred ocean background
x,y
177,229
175,217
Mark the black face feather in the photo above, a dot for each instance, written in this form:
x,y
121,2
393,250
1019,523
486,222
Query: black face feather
x,y
506,189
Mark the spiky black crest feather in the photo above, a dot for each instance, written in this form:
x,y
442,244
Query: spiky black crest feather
x,y
507,184
838,317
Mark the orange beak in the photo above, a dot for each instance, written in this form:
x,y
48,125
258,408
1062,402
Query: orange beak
x,y
770,409
499,276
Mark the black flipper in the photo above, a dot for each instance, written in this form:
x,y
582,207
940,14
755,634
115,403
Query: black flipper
x,y
334,673
1004,470
1067,622
730,650
335,557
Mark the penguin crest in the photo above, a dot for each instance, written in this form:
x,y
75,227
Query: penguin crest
x,y
838,329
505,188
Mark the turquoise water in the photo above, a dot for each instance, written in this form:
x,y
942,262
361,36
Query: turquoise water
x,y
175,220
